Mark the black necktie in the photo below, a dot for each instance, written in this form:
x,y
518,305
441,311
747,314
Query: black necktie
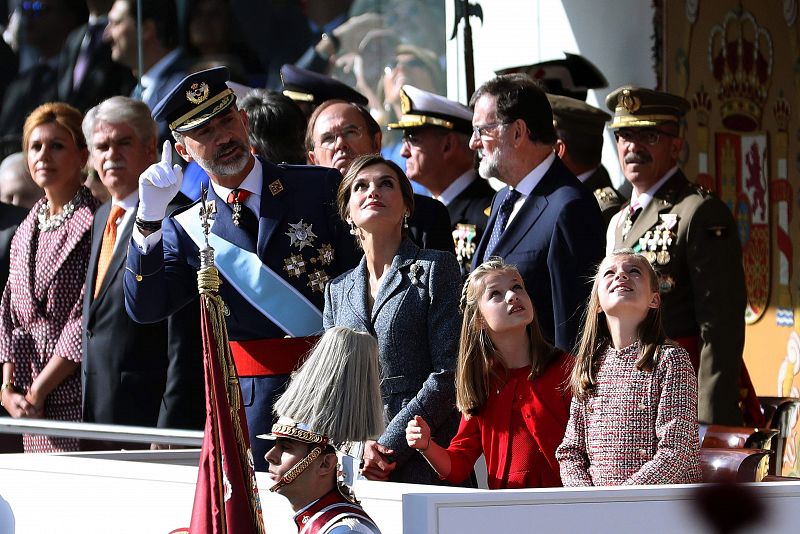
x,y
503,213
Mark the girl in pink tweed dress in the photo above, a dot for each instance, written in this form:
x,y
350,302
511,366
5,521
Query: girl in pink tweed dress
x,y
633,418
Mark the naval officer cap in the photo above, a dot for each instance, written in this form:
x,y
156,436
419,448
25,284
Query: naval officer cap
x,y
303,85
421,108
572,76
197,99
635,107
575,115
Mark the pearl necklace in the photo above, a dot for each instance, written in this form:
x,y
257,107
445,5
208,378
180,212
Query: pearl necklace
x,y
48,222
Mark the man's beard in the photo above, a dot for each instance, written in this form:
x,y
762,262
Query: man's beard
x,y
490,165
224,170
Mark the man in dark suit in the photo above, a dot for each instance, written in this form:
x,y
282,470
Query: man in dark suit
x,y
132,374
163,63
436,134
86,73
545,222
277,242
338,132
691,238
579,128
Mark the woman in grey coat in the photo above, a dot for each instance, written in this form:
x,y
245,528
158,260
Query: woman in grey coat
x,y
408,299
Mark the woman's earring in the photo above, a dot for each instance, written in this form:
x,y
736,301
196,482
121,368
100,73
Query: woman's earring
x,y
405,221
352,228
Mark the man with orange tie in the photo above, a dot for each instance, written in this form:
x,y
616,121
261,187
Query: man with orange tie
x,y
132,374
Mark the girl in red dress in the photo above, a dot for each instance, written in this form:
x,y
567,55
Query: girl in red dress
x,y
510,388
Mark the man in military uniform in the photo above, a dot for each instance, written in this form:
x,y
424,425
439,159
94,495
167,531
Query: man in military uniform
x,y
579,128
690,237
436,134
275,231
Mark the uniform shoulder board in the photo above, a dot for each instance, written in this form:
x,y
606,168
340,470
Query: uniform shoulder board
x,y
606,196
699,189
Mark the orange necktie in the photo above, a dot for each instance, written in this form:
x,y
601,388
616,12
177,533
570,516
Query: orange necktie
x,y
107,247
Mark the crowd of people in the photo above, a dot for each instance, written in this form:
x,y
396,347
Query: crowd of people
x,y
569,334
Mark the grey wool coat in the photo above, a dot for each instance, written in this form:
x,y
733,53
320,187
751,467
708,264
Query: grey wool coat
x,y
417,326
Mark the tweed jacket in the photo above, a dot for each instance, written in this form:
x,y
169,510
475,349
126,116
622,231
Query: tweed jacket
x,y
702,285
638,427
417,327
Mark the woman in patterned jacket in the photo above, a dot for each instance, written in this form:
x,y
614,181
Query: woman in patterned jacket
x,y
633,418
40,312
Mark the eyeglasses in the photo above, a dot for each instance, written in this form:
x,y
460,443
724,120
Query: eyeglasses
x,y
649,136
348,134
482,130
417,138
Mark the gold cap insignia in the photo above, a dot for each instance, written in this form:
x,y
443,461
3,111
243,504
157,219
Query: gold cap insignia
x,y
197,93
629,102
275,187
405,102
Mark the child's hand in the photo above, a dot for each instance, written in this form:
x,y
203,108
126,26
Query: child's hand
x,y
418,433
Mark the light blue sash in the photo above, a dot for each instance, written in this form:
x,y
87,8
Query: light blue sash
x,y
264,289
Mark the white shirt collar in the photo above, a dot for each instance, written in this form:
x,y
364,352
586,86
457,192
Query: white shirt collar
x,y
645,198
457,186
129,202
529,183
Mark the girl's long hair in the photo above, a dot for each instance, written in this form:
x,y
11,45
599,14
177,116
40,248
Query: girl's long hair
x,y
477,357
595,334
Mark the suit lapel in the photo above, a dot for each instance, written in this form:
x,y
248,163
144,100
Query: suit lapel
x,y
75,232
530,211
98,227
273,206
405,256
357,294
477,258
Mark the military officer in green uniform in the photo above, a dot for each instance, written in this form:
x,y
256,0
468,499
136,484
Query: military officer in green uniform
x,y
690,237
579,128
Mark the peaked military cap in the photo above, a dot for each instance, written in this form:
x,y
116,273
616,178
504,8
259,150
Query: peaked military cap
x,y
576,115
572,76
197,99
422,108
303,85
635,107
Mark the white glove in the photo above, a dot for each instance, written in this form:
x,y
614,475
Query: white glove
x,y
158,185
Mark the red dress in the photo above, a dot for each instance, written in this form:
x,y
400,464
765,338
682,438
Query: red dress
x,y
40,312
518,430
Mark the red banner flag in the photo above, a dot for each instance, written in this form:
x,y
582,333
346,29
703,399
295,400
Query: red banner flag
x,y
226,498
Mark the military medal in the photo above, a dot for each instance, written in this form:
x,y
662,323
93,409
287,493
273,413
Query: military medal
x,y
325,255
300,235
236,197
464,237
317,280
294,265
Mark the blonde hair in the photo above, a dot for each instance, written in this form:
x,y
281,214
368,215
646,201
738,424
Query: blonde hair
x,y
336,392
595,333
477,357
60,113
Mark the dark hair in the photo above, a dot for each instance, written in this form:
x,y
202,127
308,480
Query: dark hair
x,y
519,97
276,126
582,148
164,15
358,165
373,128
